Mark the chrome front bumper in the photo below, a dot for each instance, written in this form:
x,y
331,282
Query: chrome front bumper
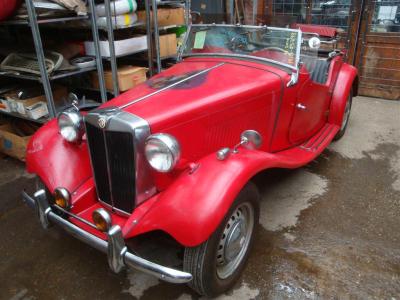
x,y
115,248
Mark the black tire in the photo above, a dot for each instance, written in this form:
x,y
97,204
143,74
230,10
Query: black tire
x,y
201,261
346,118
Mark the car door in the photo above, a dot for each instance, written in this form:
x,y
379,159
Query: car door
x,y
311,106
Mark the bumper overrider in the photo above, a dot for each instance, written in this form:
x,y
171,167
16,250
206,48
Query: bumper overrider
x,y
117,253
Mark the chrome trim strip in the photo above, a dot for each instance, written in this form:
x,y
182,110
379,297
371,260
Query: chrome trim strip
x,y
245,26
299,39
117,253
74,216
108,168
170,86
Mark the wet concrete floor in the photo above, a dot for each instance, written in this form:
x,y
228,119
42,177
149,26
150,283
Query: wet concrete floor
x,y
329,230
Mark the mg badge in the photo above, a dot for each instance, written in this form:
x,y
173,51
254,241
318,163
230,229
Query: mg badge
x,y
102,122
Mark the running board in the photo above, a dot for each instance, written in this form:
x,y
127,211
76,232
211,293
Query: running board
x,y
309,150
327,133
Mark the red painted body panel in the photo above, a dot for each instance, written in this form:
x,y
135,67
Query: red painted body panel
x,y
345,80
305,123
204,114
8,7
55,161
321,30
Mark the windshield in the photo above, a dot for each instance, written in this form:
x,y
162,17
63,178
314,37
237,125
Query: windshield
x,y
271,44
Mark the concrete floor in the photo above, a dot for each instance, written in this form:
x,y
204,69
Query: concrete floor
x,y
328,230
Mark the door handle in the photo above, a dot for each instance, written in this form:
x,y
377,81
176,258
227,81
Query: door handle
x,y
300,106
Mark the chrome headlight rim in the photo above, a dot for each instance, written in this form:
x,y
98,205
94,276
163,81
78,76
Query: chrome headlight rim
x,y
74,121
170,143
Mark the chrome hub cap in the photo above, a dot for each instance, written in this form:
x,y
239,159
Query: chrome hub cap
x,y
235,240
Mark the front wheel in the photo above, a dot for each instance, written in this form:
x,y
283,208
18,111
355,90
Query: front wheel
x,y
217,263
346,117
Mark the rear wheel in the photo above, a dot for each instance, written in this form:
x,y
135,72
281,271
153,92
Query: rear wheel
x,y
346,117
217,263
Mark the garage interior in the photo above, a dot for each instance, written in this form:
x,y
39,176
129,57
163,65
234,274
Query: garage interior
x,y
327,230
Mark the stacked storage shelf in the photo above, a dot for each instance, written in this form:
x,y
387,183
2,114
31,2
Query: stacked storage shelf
x,y
45,78
157,27
105,34
112,50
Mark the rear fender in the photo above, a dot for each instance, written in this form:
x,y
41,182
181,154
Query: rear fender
x,y
193,206
346,79
55,161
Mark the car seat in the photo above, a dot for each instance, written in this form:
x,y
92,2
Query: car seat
x,y
318,69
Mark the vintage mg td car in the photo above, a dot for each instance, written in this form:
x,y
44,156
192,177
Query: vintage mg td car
x,y
176,155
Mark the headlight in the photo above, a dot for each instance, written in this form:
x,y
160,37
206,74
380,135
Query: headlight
x,y
71,127
162,152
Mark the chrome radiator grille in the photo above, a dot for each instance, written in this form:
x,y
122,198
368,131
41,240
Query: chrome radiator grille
x,y
114,141
115,183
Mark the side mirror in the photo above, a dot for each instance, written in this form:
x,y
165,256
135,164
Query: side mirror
x,y
251,139
314,43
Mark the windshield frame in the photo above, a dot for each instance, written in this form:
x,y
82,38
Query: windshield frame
x,y
243,56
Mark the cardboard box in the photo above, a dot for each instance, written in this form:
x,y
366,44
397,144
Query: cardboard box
x,y
11,143
168,45
165,16
122,47
37,110
128,77
19,106
5,105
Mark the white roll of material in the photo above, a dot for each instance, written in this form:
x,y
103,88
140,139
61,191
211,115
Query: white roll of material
x,y
118,21
118,7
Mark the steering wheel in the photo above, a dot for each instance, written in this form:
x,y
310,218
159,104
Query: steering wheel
x,y
238,43
277,49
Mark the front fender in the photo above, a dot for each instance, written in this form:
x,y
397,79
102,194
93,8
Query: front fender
x,y
193,206
55,161
344,83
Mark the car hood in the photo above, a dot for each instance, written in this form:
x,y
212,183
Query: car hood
x,y
193,88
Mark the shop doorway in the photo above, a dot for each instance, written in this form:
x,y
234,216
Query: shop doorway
x,y
368,29
377,54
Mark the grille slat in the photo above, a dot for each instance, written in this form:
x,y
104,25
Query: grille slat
x,y
120,192
97,150
122,168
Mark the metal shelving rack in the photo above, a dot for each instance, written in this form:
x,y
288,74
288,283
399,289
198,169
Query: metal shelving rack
x,y
110,35
45,78
153,42
150,5
156,28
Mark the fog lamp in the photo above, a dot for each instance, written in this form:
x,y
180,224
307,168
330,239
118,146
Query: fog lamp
x,y
62,198
102,219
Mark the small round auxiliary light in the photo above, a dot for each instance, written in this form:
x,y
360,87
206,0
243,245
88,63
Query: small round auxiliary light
x,y
102,219
62,198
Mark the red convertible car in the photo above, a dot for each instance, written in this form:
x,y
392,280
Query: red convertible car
x,y
177,154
